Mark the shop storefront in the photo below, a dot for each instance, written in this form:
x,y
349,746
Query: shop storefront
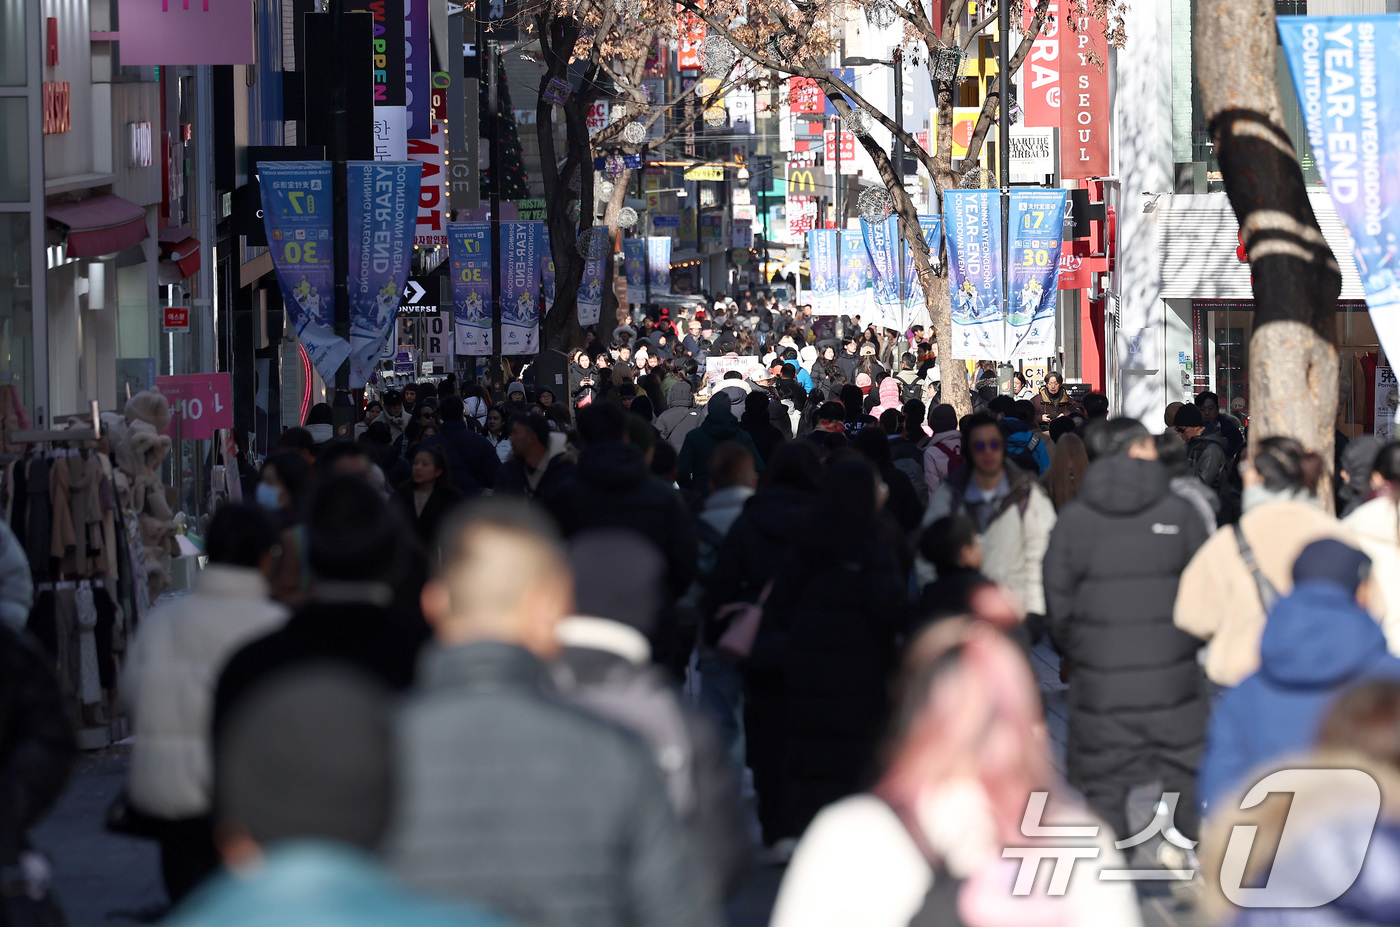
x,y
1210,308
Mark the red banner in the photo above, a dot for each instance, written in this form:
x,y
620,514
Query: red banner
x,y
848,150
1041,75
691,45
804,96
1084,115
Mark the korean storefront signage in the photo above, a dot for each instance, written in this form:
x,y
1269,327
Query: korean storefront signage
x,y
1041,75
1084,109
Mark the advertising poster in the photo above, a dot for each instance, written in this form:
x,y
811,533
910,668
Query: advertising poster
x,y
546,271
383,217
1037,229
1387,399
973,233
635,261
469,247
856,275
915,309
659,263
296,198
590,292
882,242
823,255
520,286
717,367
1345,71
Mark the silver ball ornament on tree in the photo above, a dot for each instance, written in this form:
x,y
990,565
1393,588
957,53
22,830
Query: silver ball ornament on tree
x,y
626,217
880,14
875,205
858,121
716,116
718,55
592,243
635,133
604,189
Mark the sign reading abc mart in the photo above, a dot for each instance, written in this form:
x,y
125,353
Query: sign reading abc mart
x,y
1084,109
186,32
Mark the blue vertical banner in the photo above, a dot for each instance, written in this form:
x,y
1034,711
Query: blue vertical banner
x,y
915,308
882,243
469,249
856,276
520,287
547,272
973,231
1347,74
659,263
590,294
1037,230
296,201
383,217
634,251
383,207
823,255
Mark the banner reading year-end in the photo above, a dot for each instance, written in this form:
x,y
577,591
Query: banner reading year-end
x,y
1037,228
520,286
882,241
915,307
469,247
296,199
1347,75
822,254
973,227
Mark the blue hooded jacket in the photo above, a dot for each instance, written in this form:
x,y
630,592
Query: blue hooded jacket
x,y
1317,643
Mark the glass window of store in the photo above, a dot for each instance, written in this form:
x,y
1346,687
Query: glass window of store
x,y
17,197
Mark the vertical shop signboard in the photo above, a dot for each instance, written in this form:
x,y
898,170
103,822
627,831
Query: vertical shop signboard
x,y
973,232
1347,76
1037,227
520,286
1387,399
1042,95
389,60
469,248
1084,98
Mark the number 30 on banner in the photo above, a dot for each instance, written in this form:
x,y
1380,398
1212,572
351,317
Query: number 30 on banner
x,y
1038,257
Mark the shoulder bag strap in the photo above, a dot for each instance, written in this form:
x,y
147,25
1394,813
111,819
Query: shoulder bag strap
x,y
1268,595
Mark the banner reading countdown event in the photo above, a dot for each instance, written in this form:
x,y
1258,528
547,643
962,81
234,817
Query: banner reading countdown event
x,y
383,209
469,249
1347,77
1037,229
973,230
635,261
520,287
882,241
590,293
822,254
856,276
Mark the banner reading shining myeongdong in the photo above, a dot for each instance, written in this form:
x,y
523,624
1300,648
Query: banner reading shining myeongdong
x,y
973,227
1346,70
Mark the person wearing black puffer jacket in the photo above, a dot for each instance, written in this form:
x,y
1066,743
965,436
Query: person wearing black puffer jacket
x,y
1137,699
611,487
748,559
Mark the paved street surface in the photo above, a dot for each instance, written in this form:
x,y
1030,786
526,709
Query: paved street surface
x,y
106,880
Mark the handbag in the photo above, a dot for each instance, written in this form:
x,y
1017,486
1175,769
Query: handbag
x,y
744,618
1268,595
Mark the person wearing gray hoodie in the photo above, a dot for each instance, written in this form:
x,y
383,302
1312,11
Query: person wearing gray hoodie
x,y
680,418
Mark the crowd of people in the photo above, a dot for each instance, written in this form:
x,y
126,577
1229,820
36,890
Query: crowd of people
x,y
524,658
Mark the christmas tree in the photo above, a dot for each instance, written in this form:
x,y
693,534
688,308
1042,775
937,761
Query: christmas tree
x,y
511,170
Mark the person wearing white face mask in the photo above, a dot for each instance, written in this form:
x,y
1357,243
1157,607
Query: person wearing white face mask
x,y
281,484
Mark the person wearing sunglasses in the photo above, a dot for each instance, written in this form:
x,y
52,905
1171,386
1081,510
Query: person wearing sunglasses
x,y
1013,514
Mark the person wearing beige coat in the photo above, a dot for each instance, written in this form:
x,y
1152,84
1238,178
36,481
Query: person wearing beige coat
x,y
1218,599
1376,526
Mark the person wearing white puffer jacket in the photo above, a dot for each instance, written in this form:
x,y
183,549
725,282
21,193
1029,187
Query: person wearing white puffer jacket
x,y
169,683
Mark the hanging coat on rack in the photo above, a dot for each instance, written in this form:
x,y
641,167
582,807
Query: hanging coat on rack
x,y
38,534
64,539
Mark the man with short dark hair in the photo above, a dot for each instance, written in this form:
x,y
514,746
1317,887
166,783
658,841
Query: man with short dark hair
x,y
1207,455
538,461
472,463
297,440
1095,407
1137,698
508,796
1216,423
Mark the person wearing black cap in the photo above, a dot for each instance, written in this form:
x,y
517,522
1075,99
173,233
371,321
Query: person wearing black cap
x,y
1318,642
508,796
303,794
605,667
1207,457
356,549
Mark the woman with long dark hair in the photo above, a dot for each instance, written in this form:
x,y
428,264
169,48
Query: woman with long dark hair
x,y
427,496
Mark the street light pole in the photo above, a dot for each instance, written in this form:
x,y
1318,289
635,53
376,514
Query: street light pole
x,y
897,149
1004,161
489,50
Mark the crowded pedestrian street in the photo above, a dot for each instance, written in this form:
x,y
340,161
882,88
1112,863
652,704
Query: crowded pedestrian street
x,y
699,463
